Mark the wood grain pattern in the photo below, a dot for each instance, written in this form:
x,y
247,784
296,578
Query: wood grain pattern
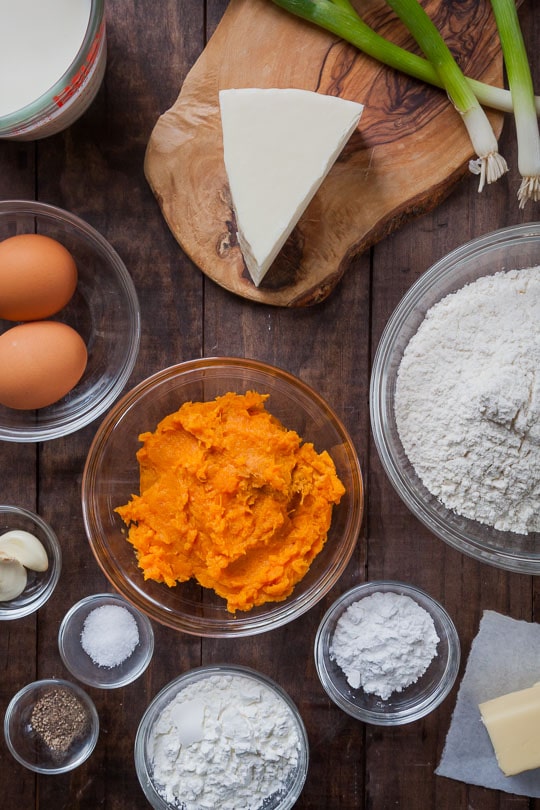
x,y
408,152
95,170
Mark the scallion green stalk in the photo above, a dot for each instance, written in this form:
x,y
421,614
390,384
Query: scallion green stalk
x,y
339,18
489,164
346,4
521,88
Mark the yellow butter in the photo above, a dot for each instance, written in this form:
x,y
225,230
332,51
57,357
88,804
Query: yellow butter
x,y
513,724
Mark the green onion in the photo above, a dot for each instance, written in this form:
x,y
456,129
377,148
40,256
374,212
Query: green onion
x,y
335,16
346,4
521,88
490,165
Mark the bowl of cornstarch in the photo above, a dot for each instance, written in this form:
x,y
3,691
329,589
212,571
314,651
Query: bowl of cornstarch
x,y
222,736
455,398
105,642
387,653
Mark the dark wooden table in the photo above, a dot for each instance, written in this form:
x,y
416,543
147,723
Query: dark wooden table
x,y
95,170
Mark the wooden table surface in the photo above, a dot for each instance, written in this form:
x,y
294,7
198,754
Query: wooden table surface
x,y
95,170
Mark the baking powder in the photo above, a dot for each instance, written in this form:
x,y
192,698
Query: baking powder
x,y
467,401
383,643
224,742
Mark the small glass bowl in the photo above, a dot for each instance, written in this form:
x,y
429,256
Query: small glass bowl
x,y
111,476
506,249
40,584
416,700
104,310
29,748
284,800
81,665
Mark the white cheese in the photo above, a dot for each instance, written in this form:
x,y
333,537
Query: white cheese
x,y
513,724
279,145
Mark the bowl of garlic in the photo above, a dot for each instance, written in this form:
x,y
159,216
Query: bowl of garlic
x,y
30,562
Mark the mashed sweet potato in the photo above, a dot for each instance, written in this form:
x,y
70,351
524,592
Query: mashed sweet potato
x,y
230,497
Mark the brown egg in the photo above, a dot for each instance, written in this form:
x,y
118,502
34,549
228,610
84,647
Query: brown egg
x,y
38,276
39,363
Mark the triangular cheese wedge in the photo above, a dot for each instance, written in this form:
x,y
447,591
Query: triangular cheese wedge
x,y
279,145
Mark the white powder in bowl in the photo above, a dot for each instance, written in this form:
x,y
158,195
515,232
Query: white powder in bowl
x,y
225,742
109,635
384,642
467,401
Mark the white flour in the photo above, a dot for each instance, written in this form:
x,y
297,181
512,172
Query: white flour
x,y
224,742
467,401
383,643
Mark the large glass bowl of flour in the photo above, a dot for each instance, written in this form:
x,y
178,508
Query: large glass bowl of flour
x,y
455,398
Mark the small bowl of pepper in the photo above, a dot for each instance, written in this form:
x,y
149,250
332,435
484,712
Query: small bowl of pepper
x,y
51,726
105,642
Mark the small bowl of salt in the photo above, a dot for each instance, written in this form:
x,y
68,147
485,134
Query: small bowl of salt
x,y
105,642
387,653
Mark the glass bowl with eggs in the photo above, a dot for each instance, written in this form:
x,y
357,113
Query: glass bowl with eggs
x,y
69,322
222,497
455,398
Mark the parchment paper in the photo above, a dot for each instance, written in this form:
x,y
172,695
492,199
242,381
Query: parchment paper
x,y
504,657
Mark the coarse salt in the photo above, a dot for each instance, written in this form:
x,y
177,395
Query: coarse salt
x,y
109,635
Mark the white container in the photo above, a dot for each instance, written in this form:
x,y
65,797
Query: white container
x,y
64,64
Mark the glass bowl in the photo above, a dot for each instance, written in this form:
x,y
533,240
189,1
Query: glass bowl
x,y
34,739
104,310
111,475
40,584
414,701
105,668
506,249
292,786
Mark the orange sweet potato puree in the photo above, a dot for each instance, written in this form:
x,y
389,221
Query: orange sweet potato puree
x,y
230,497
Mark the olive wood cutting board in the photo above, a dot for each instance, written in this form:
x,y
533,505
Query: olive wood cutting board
x,y
410,147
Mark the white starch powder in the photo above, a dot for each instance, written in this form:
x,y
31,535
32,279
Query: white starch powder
x,y
109,635
467,401
383,643
224,742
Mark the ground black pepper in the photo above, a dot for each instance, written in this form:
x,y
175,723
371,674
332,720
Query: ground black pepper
x,y
59,718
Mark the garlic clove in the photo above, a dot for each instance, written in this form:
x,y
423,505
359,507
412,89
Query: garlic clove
x,y
26,548
13,578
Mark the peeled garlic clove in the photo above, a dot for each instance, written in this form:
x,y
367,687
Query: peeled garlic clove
x,y
13,578
26,548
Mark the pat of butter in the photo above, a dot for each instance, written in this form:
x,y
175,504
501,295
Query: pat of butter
x,y
278,146
513,724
